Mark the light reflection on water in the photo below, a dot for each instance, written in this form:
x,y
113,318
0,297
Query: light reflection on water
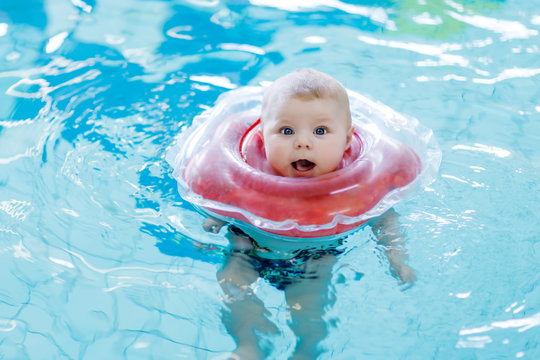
x,y
101,256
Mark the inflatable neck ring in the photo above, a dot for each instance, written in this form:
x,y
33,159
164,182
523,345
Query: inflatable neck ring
x,y
221,168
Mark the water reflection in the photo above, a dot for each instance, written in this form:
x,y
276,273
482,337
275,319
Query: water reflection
x,y
438,18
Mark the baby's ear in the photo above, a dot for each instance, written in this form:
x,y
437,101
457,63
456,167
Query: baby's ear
x,y
349,137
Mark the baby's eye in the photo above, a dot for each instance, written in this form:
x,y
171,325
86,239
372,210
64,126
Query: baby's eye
x,y
320,131
287,131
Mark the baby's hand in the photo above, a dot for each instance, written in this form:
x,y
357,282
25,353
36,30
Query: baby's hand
x,y
406,274
213,225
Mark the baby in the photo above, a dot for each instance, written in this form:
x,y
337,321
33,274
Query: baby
x,y
306,128
305,124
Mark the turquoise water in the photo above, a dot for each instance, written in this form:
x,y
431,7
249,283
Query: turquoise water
x,y
101,258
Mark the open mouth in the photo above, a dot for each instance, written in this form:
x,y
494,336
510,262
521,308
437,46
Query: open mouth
x,y
303,165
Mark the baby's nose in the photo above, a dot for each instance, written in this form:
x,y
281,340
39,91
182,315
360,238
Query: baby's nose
x,y
302,142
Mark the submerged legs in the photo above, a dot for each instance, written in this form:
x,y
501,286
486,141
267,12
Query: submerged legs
x,y
307,300
307,291
245,315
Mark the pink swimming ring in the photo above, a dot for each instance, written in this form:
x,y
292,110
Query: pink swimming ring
x,y
221,167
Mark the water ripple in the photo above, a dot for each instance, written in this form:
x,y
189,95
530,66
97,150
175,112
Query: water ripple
x,y
508,29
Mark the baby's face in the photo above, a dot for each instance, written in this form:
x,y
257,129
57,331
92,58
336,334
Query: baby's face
x,y
306,138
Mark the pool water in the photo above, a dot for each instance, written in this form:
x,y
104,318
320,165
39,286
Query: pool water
x,y
99,255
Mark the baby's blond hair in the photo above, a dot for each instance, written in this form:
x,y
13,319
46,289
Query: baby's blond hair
x,y
303,84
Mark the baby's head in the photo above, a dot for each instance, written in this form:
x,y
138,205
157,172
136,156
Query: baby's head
x,y
305,124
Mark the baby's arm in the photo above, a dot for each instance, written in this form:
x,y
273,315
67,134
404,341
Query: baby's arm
x,y
388,233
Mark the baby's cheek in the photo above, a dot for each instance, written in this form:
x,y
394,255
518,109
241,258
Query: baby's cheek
x,y
276,148
332,161
275,156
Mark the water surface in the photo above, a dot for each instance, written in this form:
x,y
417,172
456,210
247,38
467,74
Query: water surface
x,y
99,254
